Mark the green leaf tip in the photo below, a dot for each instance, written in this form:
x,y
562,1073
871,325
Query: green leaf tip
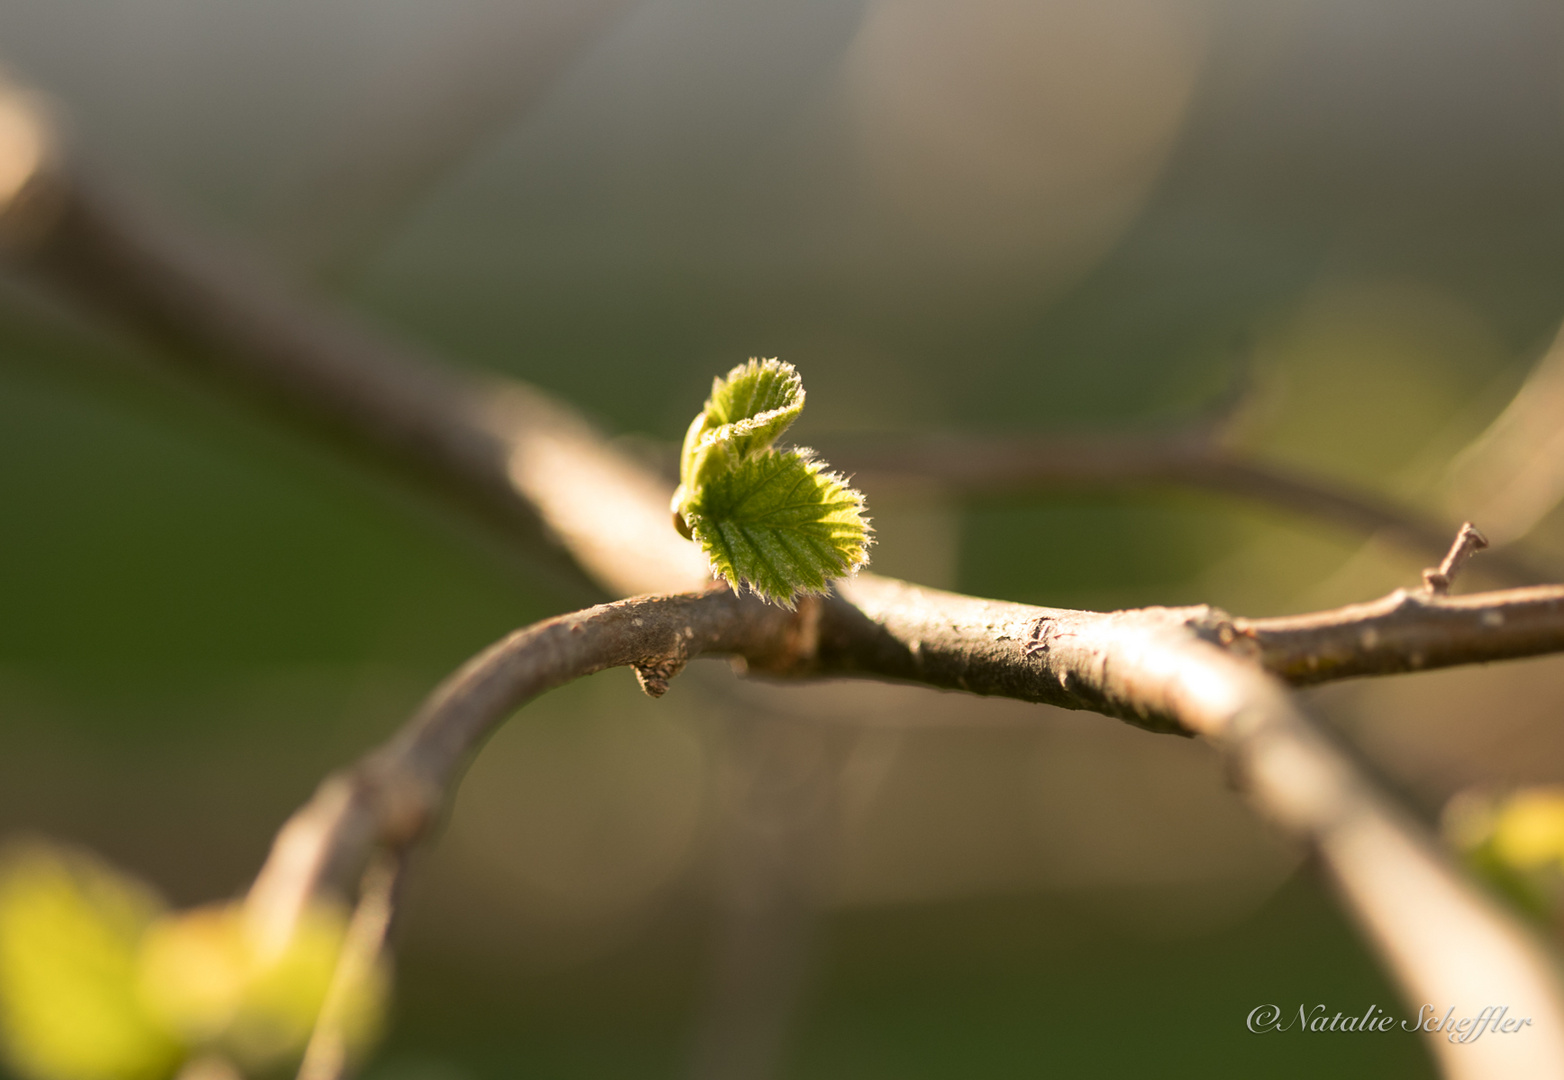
x,y
748,409
774,520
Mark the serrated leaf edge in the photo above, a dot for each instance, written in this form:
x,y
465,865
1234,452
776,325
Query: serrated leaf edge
x,y
818,469
702,444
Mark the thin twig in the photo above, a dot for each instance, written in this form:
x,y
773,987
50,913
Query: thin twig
x,y
326,1057
876,628
1409,631
1468,542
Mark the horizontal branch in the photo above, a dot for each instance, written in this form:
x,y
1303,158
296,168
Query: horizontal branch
x,y
1409,631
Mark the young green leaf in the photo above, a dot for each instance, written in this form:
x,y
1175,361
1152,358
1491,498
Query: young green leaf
x,y
745,414
70,927
778,522
774,520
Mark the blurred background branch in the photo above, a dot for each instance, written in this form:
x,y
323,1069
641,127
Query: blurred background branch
x,y
1031,466
424,115
1512,475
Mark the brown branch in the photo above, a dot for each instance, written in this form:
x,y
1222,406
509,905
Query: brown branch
x,y
392,797
1023,465
1409,631
506,449
1468,542
524,456
1163,669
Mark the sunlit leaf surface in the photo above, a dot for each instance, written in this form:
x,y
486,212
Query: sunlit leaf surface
x,y
748,410
773,520
781,524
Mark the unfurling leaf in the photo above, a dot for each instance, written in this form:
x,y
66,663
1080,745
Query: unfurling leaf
x,y
70,931
772,519
745,414
779,523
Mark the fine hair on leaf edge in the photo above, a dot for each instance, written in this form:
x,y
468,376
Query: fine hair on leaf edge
x,y
774,520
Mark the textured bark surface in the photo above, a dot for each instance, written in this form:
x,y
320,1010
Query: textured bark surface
x,y
1409,631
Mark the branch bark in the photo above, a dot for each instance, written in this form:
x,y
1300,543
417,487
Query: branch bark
x,y
1187,670
1408,631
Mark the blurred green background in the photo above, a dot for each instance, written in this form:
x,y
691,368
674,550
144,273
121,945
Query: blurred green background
x,y
993,217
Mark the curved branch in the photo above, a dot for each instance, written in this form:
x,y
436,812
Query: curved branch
x,y
1164,669
392,796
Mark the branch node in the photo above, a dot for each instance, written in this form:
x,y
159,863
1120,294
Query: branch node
x,y
654,675
405,804
1219,628
1036,643
799,648
1467,543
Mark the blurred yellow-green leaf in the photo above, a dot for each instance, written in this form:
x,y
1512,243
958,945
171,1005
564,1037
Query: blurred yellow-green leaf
x,y
1529,829
1515,842
70,928
204,975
